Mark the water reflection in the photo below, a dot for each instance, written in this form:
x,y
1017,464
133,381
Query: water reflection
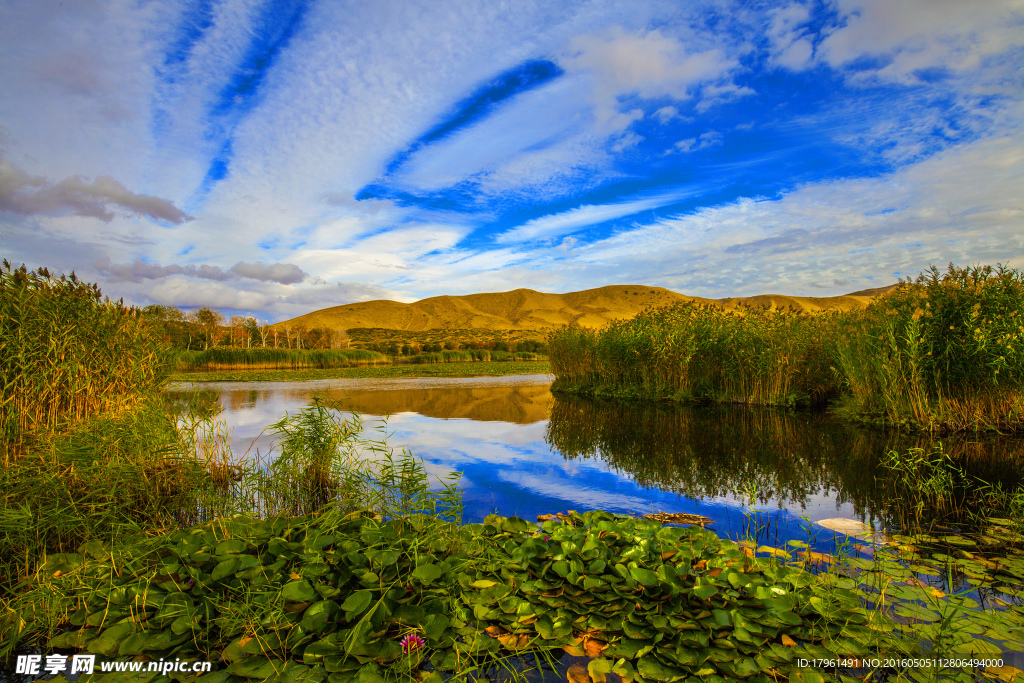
x,y
781,460
522,452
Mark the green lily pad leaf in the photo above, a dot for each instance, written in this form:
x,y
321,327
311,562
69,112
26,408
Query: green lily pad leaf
x,y
644,577
259,668
625,648
370,673
483,583
427,573
806,676
72,639
599,668
357,603
109,641
650,667
298,591
433,625
315,618
225,568
625,670
231,547
704,592
915,611
722,617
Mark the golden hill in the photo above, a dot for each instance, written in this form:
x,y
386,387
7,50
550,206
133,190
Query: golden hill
x,y
526,309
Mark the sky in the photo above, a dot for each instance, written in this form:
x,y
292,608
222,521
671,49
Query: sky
x,y
274,157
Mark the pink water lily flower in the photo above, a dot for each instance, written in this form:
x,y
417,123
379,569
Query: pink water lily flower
x,y
411,642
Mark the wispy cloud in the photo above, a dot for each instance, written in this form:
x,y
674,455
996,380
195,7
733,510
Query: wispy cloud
x,y
573,220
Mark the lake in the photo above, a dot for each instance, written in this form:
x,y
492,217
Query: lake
x,y
524,452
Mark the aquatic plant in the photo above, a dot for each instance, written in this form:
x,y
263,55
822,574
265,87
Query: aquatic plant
x,y
700,353
66,355
333,596
276,359
945,351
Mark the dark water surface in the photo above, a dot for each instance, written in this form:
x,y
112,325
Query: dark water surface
x,y
523,452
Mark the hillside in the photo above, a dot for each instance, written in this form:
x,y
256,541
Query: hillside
x,y
526,309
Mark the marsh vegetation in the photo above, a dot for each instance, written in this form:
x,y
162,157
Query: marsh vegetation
x,y
942,353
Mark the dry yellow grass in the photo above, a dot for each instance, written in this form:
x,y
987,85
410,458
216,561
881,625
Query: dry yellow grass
x,y
526,309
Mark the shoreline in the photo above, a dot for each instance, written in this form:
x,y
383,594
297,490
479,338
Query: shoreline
x,y
466,369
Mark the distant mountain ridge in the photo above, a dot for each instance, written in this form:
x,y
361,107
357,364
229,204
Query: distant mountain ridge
x,y
526,309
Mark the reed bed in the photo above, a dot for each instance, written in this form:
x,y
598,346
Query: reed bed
x,y
945,352
702,353
942,353
109,477
67,355
277,359
469,356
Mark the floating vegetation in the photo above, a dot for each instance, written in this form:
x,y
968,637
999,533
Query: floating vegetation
x,y
348,596
679,518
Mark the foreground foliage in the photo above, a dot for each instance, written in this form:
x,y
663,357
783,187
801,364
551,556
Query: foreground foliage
x,y
331,596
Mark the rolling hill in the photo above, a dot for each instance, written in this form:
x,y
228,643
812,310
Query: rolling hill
x,y
526,309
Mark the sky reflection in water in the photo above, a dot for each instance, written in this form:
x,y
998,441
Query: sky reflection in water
x,y
523,453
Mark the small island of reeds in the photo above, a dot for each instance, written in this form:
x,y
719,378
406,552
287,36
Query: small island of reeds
x,y
942,352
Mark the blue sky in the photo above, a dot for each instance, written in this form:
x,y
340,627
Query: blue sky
x,y
271,157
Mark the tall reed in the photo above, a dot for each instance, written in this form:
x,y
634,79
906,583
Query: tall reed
x,y
67,355
701,352
943,352
111,476
276,359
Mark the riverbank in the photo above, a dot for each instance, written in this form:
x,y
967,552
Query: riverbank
x,y
470,369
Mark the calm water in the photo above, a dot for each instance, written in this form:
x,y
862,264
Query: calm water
x,y
522,452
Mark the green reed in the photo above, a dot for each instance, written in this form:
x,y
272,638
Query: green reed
x,y
109,477
699,352
276,359
67,355
468,356
943,352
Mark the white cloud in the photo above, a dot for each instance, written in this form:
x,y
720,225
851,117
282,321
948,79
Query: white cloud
x,y
566,222
961,205
184,292
648,64
791,45
705,140
923,34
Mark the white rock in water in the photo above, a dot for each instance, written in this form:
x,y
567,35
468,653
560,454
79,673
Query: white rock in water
x,y
850,527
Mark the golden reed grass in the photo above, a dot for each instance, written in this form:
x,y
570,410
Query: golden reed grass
x,y
67,355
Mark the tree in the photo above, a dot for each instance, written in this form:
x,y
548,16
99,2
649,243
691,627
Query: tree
x,y
340,339
252,332
208,321
236,328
